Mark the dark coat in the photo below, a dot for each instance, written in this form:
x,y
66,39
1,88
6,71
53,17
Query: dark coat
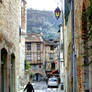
x,y
29,88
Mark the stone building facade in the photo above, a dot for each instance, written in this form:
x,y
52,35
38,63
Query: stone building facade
x,y
35,55
9,45
51,57
57,54
83,74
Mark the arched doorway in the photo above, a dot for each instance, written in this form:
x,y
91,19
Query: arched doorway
x,y
3,70
12,74
37,77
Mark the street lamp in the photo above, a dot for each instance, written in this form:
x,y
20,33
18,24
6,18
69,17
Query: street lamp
x,y
57,12
57,15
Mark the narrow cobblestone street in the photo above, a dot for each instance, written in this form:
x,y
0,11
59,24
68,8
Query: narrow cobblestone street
x,y
46,43
51,90
42,87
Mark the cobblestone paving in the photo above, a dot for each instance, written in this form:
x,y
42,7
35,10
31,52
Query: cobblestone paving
x,y
42,87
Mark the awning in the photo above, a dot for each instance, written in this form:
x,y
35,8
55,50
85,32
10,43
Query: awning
x,y
54,72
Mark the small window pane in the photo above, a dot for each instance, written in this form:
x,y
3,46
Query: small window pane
x,y
52,47
52,65
38,46
38,56
28,56
28,45
50,56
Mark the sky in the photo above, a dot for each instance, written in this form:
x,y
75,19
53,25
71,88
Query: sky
x,y
49,5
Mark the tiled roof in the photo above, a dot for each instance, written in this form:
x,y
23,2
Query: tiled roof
x,y
34,38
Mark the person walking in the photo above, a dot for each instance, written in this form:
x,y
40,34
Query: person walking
x,y
46,80
29,87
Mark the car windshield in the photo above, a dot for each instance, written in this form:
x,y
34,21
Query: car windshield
x,y
53,79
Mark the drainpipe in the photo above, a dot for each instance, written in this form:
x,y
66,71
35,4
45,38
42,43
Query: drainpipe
x,y
72,47
62,63
62,42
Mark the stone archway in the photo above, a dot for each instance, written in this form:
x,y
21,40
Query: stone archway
x,y
4,68
37,76
12,73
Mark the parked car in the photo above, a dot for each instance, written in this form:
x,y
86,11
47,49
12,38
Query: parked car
x,y
53,82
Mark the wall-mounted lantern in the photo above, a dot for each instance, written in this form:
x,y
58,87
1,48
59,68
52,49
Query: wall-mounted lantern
x,y
57,12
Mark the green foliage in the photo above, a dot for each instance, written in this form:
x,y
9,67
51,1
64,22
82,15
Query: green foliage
x,y
67,9
31,74
87,24
27,65
87,19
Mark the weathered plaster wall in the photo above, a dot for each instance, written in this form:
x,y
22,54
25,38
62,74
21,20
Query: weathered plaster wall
x,y
9,30
68,56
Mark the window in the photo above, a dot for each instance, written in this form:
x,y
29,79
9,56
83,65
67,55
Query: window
x,y
51,47
38,46
34,67
38,56
28,56
50,56
52,65
28,45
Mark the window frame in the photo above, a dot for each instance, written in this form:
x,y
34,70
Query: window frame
x,y
38,57
38,46
28,45
51,47
28,55
53,65
50,55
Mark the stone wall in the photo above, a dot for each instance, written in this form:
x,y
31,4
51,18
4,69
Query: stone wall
x,y
80,76
39,69
68,75
47,57
77,41
77,37
35,56
22,41
9,33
